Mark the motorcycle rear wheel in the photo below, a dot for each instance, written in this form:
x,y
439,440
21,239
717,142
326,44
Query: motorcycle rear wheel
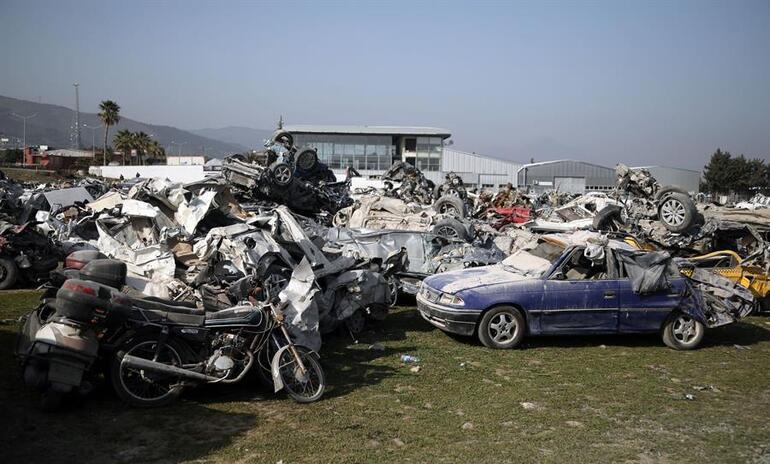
x,y
302,388
146,389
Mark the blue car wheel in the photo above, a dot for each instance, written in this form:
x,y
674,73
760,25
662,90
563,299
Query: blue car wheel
x,y
501,327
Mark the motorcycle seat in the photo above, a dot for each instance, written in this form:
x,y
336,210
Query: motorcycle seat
x,y
169,306
246,314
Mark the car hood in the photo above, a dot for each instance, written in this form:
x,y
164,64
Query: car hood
x,y
465,279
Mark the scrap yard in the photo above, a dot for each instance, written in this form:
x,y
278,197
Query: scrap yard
x,y
276,312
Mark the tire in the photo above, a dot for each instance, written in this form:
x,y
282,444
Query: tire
x,y
392,292
509,335
9,273
677,212
284,138
450,204
128,382
669,189
682,332
282,173
307,159
302,390
608,218
451,228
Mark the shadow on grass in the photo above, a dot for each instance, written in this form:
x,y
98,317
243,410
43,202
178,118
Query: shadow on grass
x,y
100,428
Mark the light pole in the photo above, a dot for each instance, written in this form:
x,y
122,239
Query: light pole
x,y
179,144
93,136
24,118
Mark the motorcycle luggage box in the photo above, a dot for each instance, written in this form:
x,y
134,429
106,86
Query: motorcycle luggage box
x,y
78,259
80,300
109,272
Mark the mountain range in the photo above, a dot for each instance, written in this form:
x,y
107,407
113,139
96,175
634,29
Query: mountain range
x,y
52,126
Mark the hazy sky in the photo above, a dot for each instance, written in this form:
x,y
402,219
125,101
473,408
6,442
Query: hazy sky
x,y
648,82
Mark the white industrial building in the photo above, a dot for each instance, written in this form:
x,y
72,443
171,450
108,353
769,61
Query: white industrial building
x,y
686,179
185,160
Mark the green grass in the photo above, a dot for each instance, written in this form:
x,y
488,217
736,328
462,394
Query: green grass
x,y
596,399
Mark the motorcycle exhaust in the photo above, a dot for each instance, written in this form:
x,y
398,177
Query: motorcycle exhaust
x,y
141,363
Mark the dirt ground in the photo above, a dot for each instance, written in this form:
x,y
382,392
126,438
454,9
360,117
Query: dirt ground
x,y
595,399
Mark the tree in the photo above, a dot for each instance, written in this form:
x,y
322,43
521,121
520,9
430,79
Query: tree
x,y
156,151
109,113
142,143
716,174
124,141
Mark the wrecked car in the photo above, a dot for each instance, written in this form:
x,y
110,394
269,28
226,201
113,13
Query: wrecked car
x,y
588,289
290,176
26,255
643,198
374,212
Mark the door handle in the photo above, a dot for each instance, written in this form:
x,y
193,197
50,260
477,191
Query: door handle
x,y
609,295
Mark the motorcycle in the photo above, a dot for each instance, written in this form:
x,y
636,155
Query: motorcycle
x,y
59,342
173,348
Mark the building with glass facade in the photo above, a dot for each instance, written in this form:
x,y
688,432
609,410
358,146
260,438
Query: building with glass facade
x,y
373,148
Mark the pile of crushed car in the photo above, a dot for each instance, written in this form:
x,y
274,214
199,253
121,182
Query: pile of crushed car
x,y
158,286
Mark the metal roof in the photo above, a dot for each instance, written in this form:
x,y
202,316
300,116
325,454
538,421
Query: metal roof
x,y
368,130
666,167
541,163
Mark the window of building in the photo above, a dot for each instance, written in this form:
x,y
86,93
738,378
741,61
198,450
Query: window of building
x,y
410,145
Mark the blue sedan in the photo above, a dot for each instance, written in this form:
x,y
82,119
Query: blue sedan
x,y
579,291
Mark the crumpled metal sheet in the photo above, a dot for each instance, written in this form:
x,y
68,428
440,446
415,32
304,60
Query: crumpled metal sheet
x,y
722,300
301,310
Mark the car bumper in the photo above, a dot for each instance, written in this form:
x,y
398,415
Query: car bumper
x,y
461,322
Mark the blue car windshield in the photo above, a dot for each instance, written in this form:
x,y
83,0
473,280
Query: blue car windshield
x,y
526,264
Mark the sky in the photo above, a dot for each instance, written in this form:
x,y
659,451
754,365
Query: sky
x,y
647,82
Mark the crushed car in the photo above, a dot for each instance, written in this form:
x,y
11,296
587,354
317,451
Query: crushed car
x,y
597,288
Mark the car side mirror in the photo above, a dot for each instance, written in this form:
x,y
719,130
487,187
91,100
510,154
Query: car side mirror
x,y
558,275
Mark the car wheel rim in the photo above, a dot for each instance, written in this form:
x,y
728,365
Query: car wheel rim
x,y
448,232
283,174
685,330
503,328
448,209
673,212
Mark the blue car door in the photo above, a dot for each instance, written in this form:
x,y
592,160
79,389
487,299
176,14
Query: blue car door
x,y
574,305
647,313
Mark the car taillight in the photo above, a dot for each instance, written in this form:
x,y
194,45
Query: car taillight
x,y
79,288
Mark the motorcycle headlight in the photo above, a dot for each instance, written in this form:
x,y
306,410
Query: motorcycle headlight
x,y
448,298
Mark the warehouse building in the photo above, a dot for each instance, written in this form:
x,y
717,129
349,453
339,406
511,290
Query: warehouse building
x,y
371,150
569,176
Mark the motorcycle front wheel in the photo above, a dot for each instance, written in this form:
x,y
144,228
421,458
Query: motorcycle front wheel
x,y
302,387
143,388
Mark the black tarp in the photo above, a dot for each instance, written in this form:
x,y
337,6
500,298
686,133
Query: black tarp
x,y
647,271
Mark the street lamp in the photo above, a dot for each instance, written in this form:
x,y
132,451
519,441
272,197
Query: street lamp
x,y
24,118
93,136
179,144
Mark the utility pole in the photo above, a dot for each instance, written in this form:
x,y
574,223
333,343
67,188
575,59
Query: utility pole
x,y
24,118
93,137
77,116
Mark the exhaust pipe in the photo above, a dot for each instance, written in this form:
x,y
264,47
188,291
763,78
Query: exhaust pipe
x,y
141,363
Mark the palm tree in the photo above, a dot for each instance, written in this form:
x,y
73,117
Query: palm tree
x,y
142,143
109,113
124,141
156,150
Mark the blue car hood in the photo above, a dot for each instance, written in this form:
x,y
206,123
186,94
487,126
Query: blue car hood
x,y
466,279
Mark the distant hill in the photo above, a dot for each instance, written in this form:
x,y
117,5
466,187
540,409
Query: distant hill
x,y
52,126
243,136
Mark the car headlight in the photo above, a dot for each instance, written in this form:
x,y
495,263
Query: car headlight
x,y
448,298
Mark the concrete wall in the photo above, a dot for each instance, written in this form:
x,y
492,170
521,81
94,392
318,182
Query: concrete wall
x,y
173,173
